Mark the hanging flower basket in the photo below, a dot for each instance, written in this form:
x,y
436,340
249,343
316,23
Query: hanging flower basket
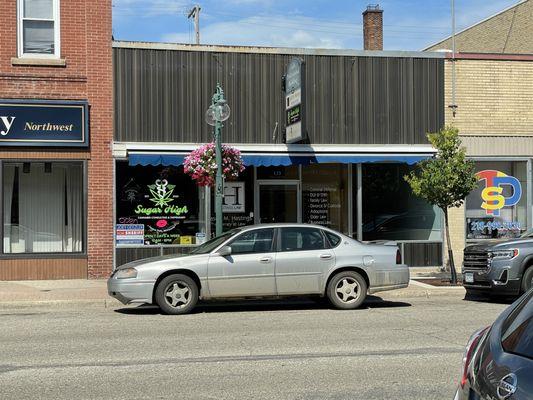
x,y
201,164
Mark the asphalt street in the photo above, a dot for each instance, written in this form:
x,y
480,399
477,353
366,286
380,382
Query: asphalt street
x,y
391,349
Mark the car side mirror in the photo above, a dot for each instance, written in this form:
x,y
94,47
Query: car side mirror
x,y
224,251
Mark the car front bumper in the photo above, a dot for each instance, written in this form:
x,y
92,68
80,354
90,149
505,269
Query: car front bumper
x,y
496,279
129,291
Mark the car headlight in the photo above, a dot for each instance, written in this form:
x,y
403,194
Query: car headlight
x,y
504,254
126,273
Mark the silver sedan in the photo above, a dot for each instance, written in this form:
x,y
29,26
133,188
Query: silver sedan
x,y
263,261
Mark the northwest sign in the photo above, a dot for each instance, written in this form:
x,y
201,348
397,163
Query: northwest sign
x,y
295,129
44,123
492,194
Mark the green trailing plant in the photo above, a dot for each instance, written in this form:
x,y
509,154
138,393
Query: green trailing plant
x,y
446,179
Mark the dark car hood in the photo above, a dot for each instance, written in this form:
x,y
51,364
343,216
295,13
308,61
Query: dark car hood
x,y
490,244
485,245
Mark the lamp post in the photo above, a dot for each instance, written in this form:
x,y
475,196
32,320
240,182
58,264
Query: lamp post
x,y
217,113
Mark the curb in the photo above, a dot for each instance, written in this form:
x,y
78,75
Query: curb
x,y
421,293
103,303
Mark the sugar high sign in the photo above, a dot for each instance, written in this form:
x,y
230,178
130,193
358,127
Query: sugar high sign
x,y
294,110
44,123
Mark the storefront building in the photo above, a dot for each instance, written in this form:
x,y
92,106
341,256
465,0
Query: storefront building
x,y
364,118
489,102
55,139
494,120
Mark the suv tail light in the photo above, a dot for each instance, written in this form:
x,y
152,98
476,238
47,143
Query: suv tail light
x,y
469,352
398,257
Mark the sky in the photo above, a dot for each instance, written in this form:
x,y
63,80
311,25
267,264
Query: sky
x,y
336,24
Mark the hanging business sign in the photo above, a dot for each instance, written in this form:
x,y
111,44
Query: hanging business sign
x,y
233,201
294,107
44,123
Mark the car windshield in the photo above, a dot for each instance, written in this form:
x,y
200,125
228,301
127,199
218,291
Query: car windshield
x,y
212,244
527,234
518,329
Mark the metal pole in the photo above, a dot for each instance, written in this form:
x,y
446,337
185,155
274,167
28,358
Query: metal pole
x,y
218,98
195,13
197,23
218,183
453,105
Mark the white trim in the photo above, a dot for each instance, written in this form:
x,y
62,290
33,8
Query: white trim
x,y
121,149
474,25
57,31
273,50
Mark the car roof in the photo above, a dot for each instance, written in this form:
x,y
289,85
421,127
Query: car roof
x,y
283,225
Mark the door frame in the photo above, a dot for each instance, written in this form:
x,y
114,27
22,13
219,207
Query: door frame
x,y
277,182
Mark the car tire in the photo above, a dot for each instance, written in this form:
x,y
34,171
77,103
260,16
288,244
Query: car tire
x,y
176,294
346,290
527,279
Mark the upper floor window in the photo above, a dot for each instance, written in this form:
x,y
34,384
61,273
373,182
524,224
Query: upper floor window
x,y
38,28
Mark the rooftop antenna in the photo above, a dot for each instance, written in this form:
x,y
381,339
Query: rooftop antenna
x,y
453,106
195,13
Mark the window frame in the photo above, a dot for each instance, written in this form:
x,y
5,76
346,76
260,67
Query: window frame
x,y
279,249
328,241
272,243
20,31
85,200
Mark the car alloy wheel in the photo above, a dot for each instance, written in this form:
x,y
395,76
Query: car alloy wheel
x,y
178,294
348,290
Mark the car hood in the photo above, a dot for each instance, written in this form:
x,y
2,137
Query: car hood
x,y
492,244
182,258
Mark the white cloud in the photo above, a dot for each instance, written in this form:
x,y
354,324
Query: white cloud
x,y
278,31
149,8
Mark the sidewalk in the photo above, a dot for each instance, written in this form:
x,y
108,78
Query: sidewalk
x,y
94,292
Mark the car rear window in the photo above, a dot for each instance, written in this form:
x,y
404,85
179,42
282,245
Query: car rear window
x,y
517,335
333,239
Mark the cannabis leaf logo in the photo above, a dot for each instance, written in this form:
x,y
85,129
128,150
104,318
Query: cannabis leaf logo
x,y
161,193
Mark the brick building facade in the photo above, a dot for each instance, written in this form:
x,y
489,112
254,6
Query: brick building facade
x,y
507,32
58,58
493,85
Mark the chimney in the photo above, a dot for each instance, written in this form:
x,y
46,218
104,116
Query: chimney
x,y
373,27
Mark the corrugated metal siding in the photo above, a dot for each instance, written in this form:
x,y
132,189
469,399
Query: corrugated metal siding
x,y
162,96
423,254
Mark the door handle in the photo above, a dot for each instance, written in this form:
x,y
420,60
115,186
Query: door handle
x,y
325,256
265,259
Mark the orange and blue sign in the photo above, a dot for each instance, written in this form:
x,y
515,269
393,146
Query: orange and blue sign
x,y
492,194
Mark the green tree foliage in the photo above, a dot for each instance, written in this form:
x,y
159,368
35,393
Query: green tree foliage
x,y
446,179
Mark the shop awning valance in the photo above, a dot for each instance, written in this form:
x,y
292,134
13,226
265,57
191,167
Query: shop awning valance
x,y
271,159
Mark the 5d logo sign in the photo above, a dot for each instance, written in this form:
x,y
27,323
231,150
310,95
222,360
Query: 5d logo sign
x,y
495,181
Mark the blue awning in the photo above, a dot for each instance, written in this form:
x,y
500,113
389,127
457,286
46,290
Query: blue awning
x,y
269,159
155,159
297,159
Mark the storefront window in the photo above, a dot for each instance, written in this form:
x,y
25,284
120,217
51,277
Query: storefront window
x,y
497,207
390,209
156,206
43,207
325,195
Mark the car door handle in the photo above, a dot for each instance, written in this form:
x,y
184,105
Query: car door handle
x,y
265,259
325,256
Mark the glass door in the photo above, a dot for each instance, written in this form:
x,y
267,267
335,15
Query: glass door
x,y
278,202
